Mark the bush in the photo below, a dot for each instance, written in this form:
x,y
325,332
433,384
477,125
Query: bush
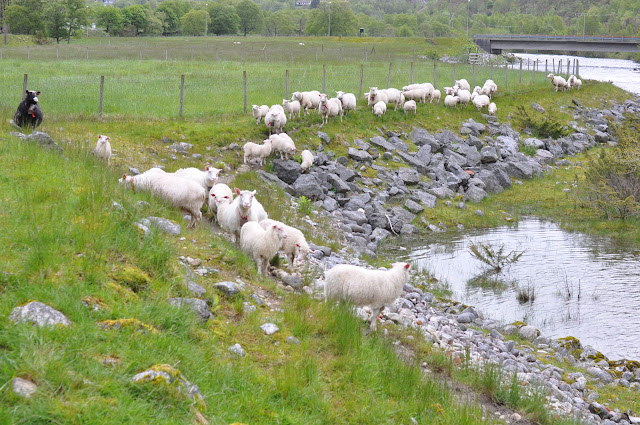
x,y
541,126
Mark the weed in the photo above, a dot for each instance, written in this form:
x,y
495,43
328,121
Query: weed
x,y
496,258
526,295
304,206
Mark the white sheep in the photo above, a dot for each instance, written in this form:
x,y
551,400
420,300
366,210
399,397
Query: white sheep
x,y
425,86
182,193
259,112
243,209
451,101
574,82
449,91
394,96
363,287
463,95
348,100
379,109
141,181
261,244
463,84
329,108
308,99
416,94
275,119
489,88
103,148
435,95
219,193
292,107
492,108
206,178
295,246
376,95
255,151
284,144
557,82
480,101
307,160
410,105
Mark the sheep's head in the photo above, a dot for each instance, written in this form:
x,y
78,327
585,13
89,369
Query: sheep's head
x,y
32,96
103,139
246,197
255,108
550,75
339,94
296,95
279,231
211,175
285,102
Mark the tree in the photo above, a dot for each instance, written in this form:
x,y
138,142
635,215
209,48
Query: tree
x,y
251,18
173,10
110,18
343,21
281,22
24,17
76,16
224,19
55,15
193,22
136,17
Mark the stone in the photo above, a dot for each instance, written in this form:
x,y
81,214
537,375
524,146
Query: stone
x,y
426,199
413,206
359,155
507,145
475,128
537,107
528,332
330,204
409,176
248,308
198,306
441,192
489,155
39,314
293,281
424,154
383,144
292,340
399,144
23,387
543,157
309,186
269,328
421,137
474,194
275,180
533,142
43,139
412,161
600,410
165,225
170,376
237,350
466,317
287,170
324,137
230,289
600,374
339,185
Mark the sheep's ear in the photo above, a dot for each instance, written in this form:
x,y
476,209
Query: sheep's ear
x,y
206,168
298,245
37,93
253,192
236,190
124,177
407,265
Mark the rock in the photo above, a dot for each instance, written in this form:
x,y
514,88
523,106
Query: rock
x,y
274,179
359,155
528,332
292,340
537,107
381,143
23,387
533,142
421,137
43,139
230,289
426,199
507,145
269,328
339,185
192,286
198,306
248,308
309,186
237,350
412,161
413,206
424,154
287,170
489,155
39,314
475,128
441,192
543,157
168,375
409,176
324,137
293,281
330,204
600,374
474,194
167,226
466,317
600,410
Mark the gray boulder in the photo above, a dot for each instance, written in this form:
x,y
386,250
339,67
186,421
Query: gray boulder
x,y
287,170
507,145
359,155
330,204
324,137
409,176
237,350
533,142
528,332
426,199
339,185
421,137
198,306
413,206
441,192
383,144
309,186
489,154
165,225
474,194
23,387
39,314
230,289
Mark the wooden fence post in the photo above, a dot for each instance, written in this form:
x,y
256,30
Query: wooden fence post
x,y
57,52
533,73
244,79
491,71
87,53
553,65
577,68
366,55
411,73
24,85
506,74
166,54
324,75
28,52
101,95
546,64
286,83
181,93
568,67
389,78
520,71
361,75
559,66
473,66
454,75
435,72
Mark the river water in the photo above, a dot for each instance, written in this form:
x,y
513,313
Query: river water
x,y
585,286
622,73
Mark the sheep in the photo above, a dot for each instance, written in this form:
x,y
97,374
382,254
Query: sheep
x,y
416,94
489,88
348,100
307,160
379,109
103,148
410,105
141,181
206,178
574,81
451,101
308,99
557,81
243,209
492,108
394,96
449,91
261,244
463,84
435,95
480,101
256,151
376,96
275,119
294,246
363,287
259,112
426,86
329,108
284,144
291,107
180,192
219,193
463,95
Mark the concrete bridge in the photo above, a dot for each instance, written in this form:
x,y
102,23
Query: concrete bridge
x,y
496,43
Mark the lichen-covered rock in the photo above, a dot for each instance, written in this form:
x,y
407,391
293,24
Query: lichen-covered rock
x,y
230,289
269,328
39,314
198,306
23,388
127,324
237,350
164,374
133,278
165,225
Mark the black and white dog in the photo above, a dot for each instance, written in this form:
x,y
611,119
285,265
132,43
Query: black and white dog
x,y
29,113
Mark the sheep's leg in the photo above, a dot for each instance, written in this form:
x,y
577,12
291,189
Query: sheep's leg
x,y
374,318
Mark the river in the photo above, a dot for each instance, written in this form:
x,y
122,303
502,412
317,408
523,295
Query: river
x,y
622,73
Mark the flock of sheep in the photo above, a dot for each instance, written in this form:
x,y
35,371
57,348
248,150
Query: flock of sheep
x,y
560,83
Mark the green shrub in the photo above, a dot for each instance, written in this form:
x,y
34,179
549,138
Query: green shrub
x,y
541,125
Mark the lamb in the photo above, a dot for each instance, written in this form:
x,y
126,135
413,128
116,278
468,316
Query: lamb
x,y
416,94
275,119
574,81
180,192
480,101
376,96
557,81
103,148
291,107
308,99
329,108
243,209
259,112
261,244
348,100
435,95
410,105
492,108
295,246
379,109
449,91
256,151
451,101
463,95
206,178
219,193
363,287
307,160
463,84
284,144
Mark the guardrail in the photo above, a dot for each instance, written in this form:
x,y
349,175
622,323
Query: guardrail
x,y
621,39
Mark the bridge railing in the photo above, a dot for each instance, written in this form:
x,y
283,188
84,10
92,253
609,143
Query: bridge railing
x,y
619,39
